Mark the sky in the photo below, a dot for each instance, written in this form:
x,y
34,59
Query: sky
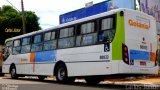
x,y
49,10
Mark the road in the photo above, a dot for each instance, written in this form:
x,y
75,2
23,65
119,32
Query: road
x,y
32,83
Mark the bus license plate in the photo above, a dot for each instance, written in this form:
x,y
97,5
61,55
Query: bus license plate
x,y
142,63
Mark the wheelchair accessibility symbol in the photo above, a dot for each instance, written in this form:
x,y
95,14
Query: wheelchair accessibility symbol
x,y
106,47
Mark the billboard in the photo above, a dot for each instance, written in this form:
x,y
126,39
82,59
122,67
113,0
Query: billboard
x,y
113,4
96,9
84,12
152,7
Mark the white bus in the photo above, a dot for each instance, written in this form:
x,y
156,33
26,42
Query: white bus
x,y
120,41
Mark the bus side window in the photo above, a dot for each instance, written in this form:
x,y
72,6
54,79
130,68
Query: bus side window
x,y
88,35
7,50
50,41
89,39
67,38
9,45
16,46
107,30
37,43
26,45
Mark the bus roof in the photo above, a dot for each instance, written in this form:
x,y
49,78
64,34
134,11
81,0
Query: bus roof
x,y
76,21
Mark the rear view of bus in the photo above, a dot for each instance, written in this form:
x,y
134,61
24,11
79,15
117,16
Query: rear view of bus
x,y
140,44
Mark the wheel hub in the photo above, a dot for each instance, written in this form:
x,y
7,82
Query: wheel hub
x,y
61,74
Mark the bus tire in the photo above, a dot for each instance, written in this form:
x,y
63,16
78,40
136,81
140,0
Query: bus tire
x,y
13,72
93,80
62,74
41,77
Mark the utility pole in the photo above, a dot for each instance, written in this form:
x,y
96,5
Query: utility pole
x,y
23,18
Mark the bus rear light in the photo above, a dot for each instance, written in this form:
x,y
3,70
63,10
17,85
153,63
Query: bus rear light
x,y
142,63
125,54
125,49
126,59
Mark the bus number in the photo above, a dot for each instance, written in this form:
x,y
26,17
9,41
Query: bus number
x,y
104,57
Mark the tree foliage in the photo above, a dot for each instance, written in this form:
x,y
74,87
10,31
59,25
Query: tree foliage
x,y
11,19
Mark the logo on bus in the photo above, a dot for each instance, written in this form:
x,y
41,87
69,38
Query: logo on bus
x,y
139,24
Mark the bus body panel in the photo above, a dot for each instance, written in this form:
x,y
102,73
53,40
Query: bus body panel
x,y
85,60
76,60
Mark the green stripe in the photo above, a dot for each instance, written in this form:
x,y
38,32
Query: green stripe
x,y
119,38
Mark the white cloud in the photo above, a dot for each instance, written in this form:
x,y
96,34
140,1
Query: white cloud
x,y
49,10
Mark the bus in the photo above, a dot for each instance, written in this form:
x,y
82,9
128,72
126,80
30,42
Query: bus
x,y
120,41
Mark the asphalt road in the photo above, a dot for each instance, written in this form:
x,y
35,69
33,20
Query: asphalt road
x,y
32,83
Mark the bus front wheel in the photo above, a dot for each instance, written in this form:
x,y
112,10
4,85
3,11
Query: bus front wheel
x,y
61,74
13,72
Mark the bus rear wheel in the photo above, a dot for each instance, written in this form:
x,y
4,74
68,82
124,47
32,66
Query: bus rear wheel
x,y
13,72
61,74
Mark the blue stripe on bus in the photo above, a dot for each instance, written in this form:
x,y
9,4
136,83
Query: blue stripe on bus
x,y
45,56
139,55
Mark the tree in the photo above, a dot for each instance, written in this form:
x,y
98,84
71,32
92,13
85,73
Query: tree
x,y
11,22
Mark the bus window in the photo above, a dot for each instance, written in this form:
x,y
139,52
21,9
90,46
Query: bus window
x,y
78,40
66,32
49,41
26,41
7,51
66,42
89,39
107,30
50,45
53,35
87,28
37,39
66,38
16,47
88,35
25,45
107,23
37,43
9,43
47,36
